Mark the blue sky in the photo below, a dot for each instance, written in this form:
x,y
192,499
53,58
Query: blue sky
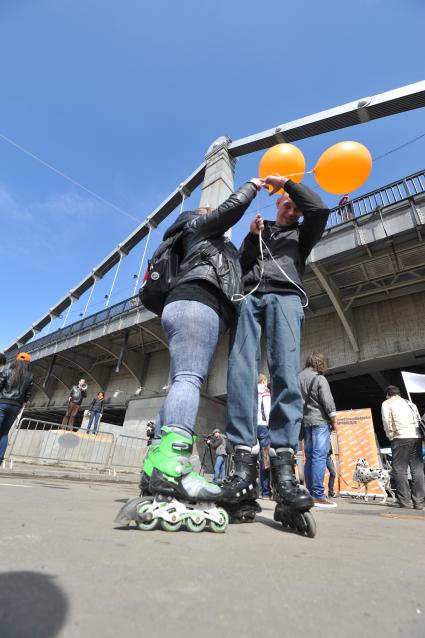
x,y
126,98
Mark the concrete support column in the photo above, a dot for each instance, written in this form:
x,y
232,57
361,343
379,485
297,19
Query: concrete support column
x,y
219,173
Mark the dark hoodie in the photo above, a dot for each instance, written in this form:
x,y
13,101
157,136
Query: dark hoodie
x,y
289,245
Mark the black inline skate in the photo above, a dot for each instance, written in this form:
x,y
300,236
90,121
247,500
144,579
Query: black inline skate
x,y
293,500
239,493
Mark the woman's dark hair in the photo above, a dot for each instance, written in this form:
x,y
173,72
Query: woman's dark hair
x,y
100,392
392,391
317,361
2,359
19,370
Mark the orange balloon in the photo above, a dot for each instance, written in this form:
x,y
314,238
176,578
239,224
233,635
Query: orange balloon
x,y
285,160
343,167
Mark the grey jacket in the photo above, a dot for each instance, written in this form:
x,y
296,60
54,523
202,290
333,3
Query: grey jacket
x,y
219,445
320,406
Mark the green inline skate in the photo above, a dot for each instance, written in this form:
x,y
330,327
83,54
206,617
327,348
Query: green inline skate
x,y
178,495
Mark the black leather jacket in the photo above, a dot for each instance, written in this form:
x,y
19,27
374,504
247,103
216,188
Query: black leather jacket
x,y
15,393
289,245
208,254
77,394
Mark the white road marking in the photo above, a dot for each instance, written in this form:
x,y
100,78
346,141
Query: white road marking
x,y
13,485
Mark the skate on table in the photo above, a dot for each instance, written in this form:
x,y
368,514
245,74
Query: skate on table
x,y
293,500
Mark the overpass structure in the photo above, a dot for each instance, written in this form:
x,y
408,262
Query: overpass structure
x,y
365,280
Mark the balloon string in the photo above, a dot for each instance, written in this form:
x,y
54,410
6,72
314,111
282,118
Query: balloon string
x,y
294,174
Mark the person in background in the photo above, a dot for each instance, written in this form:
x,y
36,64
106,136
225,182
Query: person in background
x,y
344,209
2,359
96,410
16,383
400,419
75,399
319,421
150,432
218,444
263,434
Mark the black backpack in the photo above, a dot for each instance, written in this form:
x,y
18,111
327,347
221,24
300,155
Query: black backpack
x,y
162,273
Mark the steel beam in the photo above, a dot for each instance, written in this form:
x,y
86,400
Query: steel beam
x,y
337,304
405,98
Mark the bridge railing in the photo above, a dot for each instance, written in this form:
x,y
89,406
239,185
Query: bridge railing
x,y
390,194
121,308
393,193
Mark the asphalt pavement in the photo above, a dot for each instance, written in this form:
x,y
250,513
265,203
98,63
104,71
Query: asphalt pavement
x,y
65,571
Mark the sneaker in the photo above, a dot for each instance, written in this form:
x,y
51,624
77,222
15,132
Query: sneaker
x,y
418,507
324,503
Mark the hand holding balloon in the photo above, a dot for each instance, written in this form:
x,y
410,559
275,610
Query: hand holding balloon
x,y
257,225
276,183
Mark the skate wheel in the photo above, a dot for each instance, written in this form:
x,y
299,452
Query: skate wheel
x,y
147,527
193,526
170,527
310,532
219,528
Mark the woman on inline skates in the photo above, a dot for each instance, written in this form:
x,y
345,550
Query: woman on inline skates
x,y
197,311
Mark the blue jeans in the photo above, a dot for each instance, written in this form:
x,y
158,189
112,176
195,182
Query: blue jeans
x,y
281,317
264,441
220,467
94,417
8,414
192,330
316,447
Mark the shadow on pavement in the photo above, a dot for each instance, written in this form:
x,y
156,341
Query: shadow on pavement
x,y
32,605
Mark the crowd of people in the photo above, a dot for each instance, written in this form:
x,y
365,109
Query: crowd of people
x,y
254,291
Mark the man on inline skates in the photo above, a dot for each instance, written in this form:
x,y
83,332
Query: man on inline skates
x,y
273,257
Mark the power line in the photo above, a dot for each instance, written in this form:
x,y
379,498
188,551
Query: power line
x,y
397,148
68,178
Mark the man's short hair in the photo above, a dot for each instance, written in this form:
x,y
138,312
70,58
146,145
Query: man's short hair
x,y
392,391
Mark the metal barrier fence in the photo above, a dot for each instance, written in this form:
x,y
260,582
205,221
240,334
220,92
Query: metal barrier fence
x,y
53,443
129,451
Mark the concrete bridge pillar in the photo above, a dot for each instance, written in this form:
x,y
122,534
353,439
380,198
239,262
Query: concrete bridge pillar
x,y
219,174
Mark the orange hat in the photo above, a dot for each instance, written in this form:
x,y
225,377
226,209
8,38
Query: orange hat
x,y
23,356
